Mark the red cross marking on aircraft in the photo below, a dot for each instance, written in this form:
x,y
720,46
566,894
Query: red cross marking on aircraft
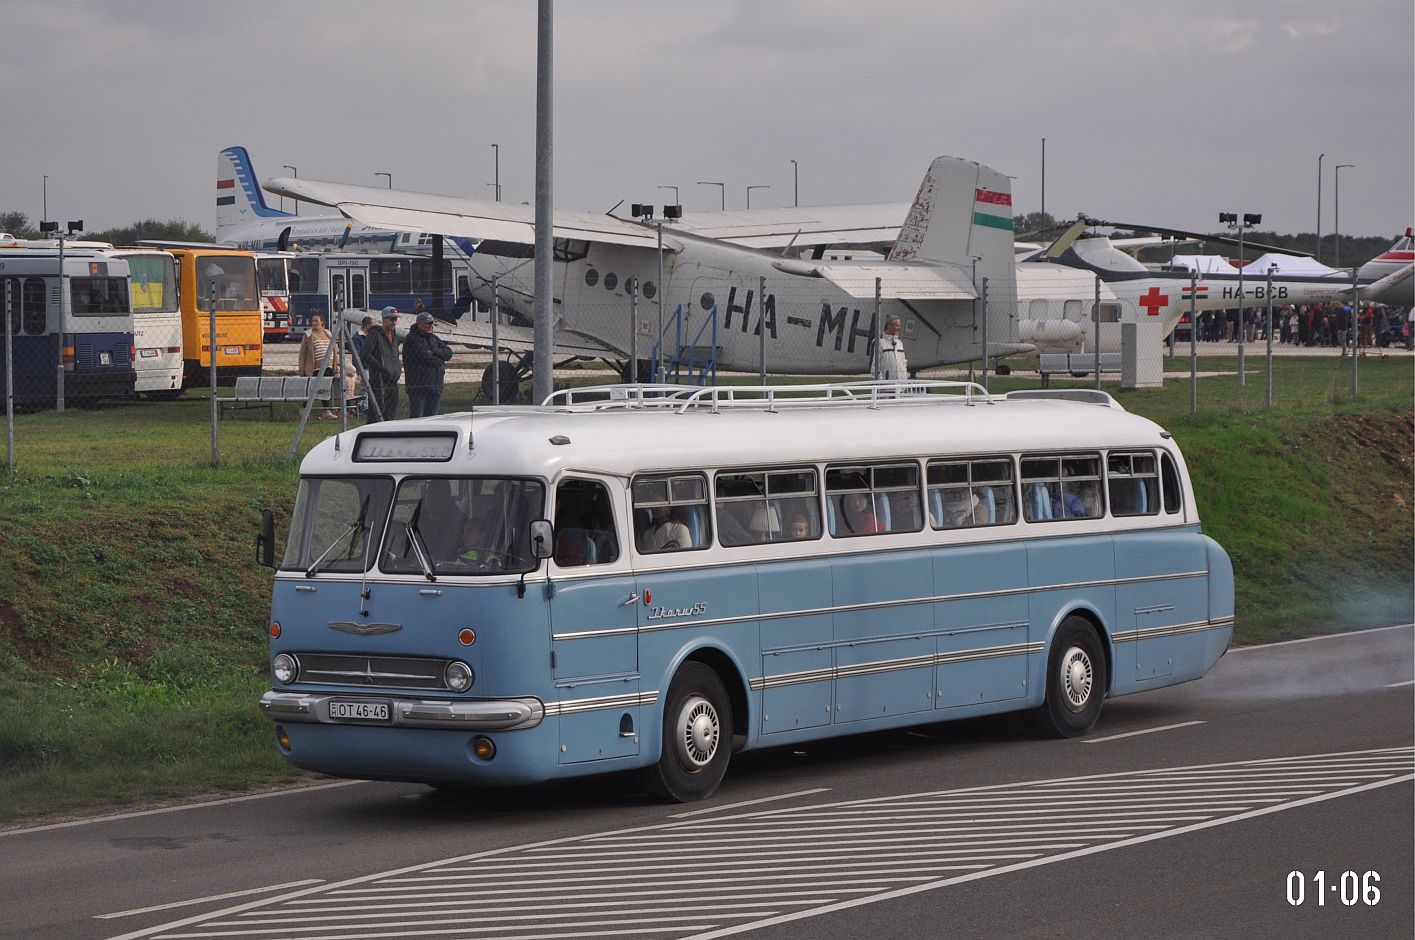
x,y
1153,301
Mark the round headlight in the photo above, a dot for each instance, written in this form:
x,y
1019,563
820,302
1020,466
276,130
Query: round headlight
x,y
284,668
458,676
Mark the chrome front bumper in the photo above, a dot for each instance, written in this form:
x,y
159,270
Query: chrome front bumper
x,y
515,714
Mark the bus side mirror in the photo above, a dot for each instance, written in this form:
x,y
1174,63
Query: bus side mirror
x,y
542,539
265,542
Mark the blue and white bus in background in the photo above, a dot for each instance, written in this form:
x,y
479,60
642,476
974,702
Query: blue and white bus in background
x,y
157,321
654,578
329,282
76,320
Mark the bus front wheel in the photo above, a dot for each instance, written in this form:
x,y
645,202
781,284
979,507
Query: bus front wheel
x,y
697,737
1076,681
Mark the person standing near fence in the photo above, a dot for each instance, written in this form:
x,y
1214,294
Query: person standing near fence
x,y
381,362
314,347
891,364
425,358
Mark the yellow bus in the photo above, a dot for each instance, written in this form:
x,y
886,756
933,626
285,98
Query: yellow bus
x,y
228,276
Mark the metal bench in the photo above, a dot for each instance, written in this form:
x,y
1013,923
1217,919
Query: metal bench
x,y
267,391
1077,364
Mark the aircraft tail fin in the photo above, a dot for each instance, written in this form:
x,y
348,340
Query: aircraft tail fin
x,y
238,196
962,215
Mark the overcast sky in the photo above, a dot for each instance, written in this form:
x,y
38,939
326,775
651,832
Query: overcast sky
x,y
1152,111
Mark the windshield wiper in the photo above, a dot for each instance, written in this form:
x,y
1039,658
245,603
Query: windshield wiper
x,y
415,539
354,528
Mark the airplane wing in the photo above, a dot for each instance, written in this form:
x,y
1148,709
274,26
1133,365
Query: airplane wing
x,y
897,280
459,216
519,339
800,225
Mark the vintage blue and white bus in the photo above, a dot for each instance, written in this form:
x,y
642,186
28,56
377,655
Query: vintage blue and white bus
x,y
157,321
74,319
615,580
326,283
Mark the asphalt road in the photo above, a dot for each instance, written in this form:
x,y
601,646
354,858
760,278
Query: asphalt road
x,y
1182,815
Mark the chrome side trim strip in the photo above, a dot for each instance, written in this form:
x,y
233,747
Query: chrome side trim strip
x,y
1151,633
879,605
892,665
577,706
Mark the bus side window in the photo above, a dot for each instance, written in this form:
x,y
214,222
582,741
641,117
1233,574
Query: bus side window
x,y
1172,493
584,525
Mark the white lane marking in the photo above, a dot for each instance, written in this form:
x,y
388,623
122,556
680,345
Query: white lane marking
x,y
214,897
786,886
1324,636
1020,866
1131,734
1399,685
177,809
765,799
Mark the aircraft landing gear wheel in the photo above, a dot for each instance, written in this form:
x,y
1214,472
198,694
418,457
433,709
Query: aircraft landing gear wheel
x,y
697,737
509,378
1076,682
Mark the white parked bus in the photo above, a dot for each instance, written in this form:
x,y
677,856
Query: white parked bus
x,y
655,580
157,321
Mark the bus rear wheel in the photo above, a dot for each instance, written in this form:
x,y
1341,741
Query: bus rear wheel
x,y
1076,682
697,737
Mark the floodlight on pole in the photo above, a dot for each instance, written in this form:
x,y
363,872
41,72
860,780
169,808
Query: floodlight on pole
x,y
722,189
1231,219
389,175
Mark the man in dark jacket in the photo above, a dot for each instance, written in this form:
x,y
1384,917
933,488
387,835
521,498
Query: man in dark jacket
x,y
381,362
424,358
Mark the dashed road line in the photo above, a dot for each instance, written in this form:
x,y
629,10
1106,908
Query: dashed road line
x,y
784,864
1131,734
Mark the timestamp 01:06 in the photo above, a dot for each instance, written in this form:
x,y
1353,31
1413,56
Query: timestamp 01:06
x,y
1348,886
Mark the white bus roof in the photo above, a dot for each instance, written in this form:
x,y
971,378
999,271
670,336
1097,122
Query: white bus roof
x,y
622,441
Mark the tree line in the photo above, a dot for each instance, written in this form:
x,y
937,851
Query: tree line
x,y
19,225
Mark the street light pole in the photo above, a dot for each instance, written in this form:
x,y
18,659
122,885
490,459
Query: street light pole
x,y
496,169
1044,176
722,189
296,171
795,183
1336,212
389,175
1241,221
749,193
1319,206
46,197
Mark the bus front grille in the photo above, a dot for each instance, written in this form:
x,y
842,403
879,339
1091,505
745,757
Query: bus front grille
x,y
397,672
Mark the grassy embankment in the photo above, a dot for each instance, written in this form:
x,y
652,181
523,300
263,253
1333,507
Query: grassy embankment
x,y
132,617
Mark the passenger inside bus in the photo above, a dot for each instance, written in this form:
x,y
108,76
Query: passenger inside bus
x,y
857,516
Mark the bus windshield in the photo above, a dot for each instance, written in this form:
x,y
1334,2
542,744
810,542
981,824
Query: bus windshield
x,y
440,525
334,521
270,274
231,278
463,526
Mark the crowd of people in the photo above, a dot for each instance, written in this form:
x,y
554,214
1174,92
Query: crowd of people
x,y
419,360
1312,325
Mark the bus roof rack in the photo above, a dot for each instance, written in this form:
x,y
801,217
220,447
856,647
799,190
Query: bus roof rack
x,y
715,398
1089,395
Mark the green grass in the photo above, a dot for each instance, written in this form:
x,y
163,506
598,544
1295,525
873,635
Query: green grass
x,y
132,623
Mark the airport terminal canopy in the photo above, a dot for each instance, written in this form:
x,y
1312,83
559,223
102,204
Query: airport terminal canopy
x,y
1289,264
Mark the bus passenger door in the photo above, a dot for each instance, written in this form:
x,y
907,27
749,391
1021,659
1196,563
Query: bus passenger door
x,y
594,627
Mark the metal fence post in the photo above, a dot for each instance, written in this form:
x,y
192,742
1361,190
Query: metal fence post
x,y
9,376
495,342
1193,341
211,368
1096,316
633,375
59,347
1355,326
875,331
761,326
985,335
1269,331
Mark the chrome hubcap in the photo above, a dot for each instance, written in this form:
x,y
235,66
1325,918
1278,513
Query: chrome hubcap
x,y
698,731
1076,678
